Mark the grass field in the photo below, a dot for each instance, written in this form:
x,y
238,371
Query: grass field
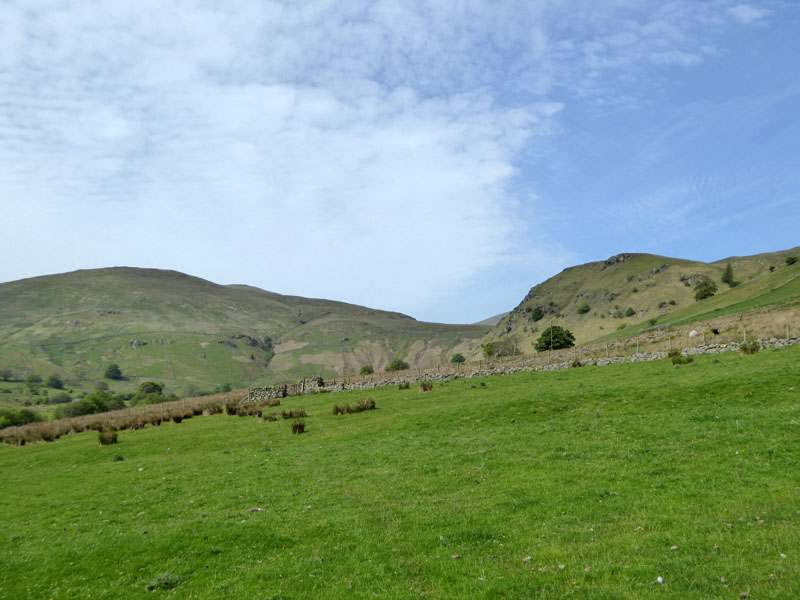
x,y
587,483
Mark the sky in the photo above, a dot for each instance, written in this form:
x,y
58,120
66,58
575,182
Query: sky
x,y
437,158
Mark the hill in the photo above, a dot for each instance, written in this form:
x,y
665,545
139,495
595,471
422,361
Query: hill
x,y
629,293
193,334
585,483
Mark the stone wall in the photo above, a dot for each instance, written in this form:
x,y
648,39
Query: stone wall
x,y
316,384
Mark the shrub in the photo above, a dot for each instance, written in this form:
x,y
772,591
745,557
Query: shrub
x,y
652,321
457,358
54,381
575,364
751,347
101,386
118,458
674,352
298,427
403,386
704,288
622,326
583,308
426,386
630,312
367,370
113,371
397,365
555,338
60,398
672,302
107,436
790,260
537,314
6,374
293,413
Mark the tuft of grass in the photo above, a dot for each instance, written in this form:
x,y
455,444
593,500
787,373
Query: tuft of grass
x,y
360,406
426,386
404,385
107,437
165,581
298,427
751,347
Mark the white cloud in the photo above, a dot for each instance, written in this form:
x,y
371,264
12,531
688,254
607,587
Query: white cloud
x,y
747,13
364,151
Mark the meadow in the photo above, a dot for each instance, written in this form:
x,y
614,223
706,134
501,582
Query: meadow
x,y
627,481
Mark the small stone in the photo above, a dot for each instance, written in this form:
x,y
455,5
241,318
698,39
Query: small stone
x,y
660,580
455,556
526,559
587,570
744,595
723,581
772,577
673,548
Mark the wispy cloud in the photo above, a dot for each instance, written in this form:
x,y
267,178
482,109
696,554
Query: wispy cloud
x,y
373,152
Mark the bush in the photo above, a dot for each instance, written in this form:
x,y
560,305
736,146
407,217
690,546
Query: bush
x,y
583,308
60,398
101,386
165,581
298,427
397,365
555,338
367,370
537,314
404,385
54,381
630,312
107,437
6,374
113,371
790,260
96,402
17,418
752,347
704,288
652,321
457,358
672,302
622,326
426,386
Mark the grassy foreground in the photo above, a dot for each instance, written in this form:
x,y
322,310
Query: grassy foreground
x,y
587,483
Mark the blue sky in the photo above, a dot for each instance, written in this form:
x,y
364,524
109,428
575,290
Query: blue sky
x,y
435,158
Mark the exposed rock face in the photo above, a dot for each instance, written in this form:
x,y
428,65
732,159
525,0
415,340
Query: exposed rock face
x,y
616,260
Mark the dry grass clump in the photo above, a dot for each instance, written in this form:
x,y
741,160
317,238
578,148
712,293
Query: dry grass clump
x,y
426,386
752,347
107,437
403,386
360,406
292,413
298,427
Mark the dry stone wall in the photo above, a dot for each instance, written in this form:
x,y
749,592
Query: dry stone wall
x,y
316,384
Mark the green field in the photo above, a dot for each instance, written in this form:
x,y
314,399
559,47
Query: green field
x,y
587,483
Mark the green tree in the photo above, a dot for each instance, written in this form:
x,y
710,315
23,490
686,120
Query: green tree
x,y
727,276
6,374
33,379
397,364
790,260
367,370
150,387
704,288
54,381
60,398
537,314
555,338
113,371
457,358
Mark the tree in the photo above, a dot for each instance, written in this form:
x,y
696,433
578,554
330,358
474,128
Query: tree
x,y
704,288
537,314
101,386
397,364
790,260
113,371
555,338
54,381
457,358
6,374
367,370
33,379
150,387
60,398
583,308
727,276
506,347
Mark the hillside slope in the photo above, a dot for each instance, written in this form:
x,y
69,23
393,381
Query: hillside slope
x,y
192,333
621,295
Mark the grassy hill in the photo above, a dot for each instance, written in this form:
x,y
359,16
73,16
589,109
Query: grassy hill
x,y
628,481
624,294
193,334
